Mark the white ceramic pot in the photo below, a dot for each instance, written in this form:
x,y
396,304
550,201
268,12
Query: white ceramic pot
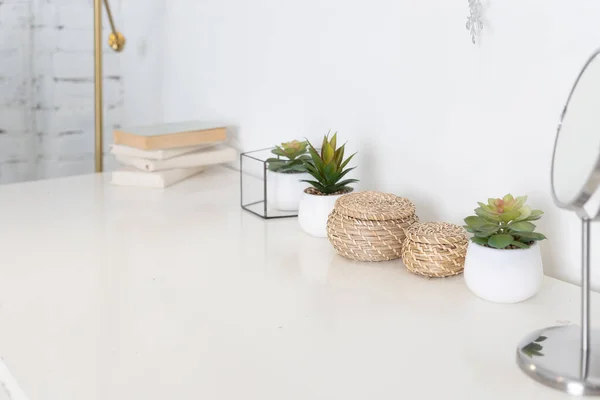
x,y
286,190
503,276
314,211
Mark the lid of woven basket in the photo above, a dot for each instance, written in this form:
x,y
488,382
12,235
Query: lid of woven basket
x,y
436,233
375,206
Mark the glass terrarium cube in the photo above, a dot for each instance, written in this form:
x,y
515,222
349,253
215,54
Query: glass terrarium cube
x,y
265,193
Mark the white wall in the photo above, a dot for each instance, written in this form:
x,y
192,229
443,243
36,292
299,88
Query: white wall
x,y
16,75
143,21
435,118
46,82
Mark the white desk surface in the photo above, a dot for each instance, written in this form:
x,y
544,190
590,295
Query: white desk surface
x,y
125,293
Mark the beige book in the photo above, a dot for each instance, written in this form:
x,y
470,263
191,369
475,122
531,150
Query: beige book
x,y
170,136
120,150
127,176
212,156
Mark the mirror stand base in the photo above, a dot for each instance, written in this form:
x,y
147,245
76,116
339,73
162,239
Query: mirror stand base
x,y
553,357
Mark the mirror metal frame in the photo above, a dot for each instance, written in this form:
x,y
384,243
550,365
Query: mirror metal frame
x,y
593,181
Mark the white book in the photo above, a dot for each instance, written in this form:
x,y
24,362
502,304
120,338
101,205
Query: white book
x,y
122,150
127,176
217,155
170,135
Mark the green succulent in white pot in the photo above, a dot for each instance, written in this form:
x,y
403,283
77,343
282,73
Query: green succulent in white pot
x,y
286,175
503,262
328,181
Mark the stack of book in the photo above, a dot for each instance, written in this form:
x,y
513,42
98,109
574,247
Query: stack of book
x,y
161,155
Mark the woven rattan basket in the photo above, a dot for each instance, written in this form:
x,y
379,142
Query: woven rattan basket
x,y
369,226
435,249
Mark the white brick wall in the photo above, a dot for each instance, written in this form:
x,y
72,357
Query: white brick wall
x,y
46,88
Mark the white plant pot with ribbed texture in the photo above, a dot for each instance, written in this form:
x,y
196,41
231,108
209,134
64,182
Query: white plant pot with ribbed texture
x,y
503,276
314,211
285,190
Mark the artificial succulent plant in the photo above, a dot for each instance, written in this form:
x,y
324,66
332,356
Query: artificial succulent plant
x,y
290,157
328,167
504,223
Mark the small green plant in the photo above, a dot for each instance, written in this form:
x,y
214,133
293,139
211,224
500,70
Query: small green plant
x,y
329,167
504,223
290,157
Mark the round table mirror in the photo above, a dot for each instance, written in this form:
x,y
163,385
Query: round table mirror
x,y
566,357
575,163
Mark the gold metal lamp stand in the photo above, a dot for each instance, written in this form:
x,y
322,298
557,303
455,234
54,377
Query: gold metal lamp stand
x,y
116,41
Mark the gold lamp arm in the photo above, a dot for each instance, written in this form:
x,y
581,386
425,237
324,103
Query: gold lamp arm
x,y
116,41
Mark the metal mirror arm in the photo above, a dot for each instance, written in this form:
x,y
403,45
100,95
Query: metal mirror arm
x,y
585,296
586,220
116,41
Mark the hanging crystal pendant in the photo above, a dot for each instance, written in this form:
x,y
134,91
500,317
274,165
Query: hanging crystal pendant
x,y
474,24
